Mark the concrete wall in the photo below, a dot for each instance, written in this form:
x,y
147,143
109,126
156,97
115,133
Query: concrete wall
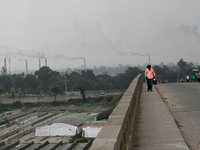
x,y
91,131
48,99
118,132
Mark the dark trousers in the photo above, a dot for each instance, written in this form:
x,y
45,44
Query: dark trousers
x,y
149,84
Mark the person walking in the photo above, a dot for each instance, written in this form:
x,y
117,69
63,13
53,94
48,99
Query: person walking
x,y
181,79
188,78
149,75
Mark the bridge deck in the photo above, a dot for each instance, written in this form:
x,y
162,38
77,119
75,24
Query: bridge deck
x,y
156,128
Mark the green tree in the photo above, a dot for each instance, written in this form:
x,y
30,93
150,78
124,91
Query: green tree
x,y
30,83
129,75
75,80
17,80
6,82
89,79
4,71
182,66
38,92
158,70
82,91
1,90
12,91
104,81
54,89
44,74
19,93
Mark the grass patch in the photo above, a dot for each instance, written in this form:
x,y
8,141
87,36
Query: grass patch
x,y
103,101
77,116
105,114
45,138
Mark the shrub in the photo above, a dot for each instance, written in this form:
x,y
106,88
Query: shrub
x,y
104,114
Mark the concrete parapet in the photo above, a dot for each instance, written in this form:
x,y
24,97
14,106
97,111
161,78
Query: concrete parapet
x,y
9,147
73,145
43,118
14,117
26,146
19,135
6,135
88,145
3,127
57,145
117,133
2,144
26,118
42,114
41,146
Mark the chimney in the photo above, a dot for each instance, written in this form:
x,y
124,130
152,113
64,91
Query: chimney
x,y
84,64
45,62
4,62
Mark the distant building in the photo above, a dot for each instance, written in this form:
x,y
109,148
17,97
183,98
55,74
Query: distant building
x,y
92,128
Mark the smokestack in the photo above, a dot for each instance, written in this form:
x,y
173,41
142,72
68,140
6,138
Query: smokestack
x,y
39,63
45,62
4,62
84,64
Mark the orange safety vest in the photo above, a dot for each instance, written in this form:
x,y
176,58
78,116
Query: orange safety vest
x,y
149,73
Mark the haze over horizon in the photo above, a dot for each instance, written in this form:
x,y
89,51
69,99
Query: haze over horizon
x,y
104,33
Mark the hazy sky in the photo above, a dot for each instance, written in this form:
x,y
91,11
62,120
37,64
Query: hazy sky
x,y
104,32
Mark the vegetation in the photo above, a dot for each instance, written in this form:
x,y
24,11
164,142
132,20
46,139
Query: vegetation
x,y
103,78
19,93
4,71
89,102
78,137
104,114
39,94
54,89
12,91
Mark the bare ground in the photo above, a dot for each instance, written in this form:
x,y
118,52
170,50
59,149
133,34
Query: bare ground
x,y
187,129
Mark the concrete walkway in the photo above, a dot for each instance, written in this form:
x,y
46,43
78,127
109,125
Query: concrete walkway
x,y
156,128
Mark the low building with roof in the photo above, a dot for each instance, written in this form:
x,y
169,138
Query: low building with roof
x,y
69,125
92,128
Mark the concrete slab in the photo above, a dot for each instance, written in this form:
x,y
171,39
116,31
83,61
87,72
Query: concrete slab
x,y
156,128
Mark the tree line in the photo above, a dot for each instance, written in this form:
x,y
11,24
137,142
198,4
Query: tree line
x,y
47,81
173,74
51,82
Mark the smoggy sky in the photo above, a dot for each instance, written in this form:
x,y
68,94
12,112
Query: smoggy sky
x,y
104,32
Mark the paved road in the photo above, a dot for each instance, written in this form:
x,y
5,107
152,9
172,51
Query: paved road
x,y
155,127
187,96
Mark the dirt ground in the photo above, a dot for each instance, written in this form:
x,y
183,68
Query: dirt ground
x,y
187,129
